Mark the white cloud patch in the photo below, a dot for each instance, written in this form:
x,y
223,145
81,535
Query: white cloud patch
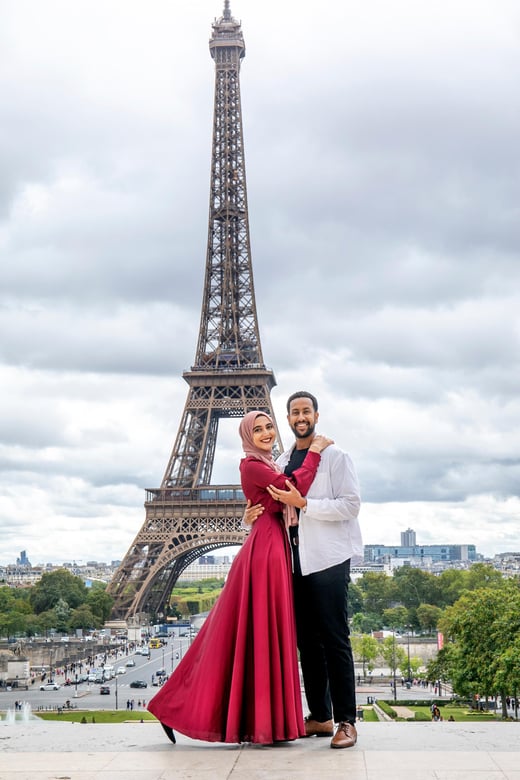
x,y
383,184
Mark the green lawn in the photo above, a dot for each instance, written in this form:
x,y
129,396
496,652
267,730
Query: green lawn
x,y
97,716
369,716
461,714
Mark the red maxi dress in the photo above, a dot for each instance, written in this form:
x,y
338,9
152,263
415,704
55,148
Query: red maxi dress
x,y
239,680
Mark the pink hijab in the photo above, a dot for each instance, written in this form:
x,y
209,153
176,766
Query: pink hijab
x,y
251,450
248,445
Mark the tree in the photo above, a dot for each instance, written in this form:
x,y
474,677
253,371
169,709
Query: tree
x,y
55,586
415,665
355,599
379,591
507,676
366,622
46,621
428,616
414,587
395,656
482,575
481,631
396,617
12,623
82,617
62,612
366,648
452,584
100,604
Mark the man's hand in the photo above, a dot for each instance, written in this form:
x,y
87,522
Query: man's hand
x,y
252,513
291,496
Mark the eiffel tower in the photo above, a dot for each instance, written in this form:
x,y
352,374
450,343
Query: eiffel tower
x,y
188,516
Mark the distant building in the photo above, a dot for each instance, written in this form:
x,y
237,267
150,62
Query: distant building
x,y
414,554
408,538
23,560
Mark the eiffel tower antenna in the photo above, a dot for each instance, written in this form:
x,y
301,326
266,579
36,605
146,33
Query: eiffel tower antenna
x,y
188,516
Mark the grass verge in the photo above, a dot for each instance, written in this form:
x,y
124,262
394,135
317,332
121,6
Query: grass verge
x,y
97,716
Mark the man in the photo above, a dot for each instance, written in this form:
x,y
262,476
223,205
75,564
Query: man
x,y
327,537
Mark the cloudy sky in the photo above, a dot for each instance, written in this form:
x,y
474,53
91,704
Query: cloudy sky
x,y
382,156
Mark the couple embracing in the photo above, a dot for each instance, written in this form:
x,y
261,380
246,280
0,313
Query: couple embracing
x,y
287,589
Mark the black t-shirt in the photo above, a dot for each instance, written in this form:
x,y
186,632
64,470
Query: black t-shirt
x,y
295,461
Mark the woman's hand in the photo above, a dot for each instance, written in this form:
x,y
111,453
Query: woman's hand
x,y
320,442
291,496
252,513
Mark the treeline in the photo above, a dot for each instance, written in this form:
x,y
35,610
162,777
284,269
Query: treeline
x,y
192,598
477,612
412,600
59,601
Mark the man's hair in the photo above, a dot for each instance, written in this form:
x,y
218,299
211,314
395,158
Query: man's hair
x,y
302,394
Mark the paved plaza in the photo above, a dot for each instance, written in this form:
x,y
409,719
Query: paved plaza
x,y
47,750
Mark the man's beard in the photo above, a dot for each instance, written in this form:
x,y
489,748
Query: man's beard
x,y
301,435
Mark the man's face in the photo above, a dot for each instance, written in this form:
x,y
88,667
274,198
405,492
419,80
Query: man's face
x,y
302,418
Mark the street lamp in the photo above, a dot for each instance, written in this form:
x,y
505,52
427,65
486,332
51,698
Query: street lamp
x,y
394,665
408,638
116,690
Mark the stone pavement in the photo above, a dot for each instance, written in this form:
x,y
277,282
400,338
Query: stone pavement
x,y
47,750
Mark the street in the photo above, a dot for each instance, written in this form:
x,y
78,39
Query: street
x,y
86,695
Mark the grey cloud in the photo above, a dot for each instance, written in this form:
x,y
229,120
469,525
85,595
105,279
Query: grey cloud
x,y
382,167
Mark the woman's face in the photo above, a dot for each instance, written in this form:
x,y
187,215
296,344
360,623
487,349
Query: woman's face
x,y
264,434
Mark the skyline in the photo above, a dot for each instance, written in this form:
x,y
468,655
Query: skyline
x,y
383,189
221,552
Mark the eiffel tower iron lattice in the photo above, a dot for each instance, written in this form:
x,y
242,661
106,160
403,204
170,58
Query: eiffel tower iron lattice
x,y
187,516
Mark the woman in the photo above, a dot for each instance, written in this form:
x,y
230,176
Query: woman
x,y
239,680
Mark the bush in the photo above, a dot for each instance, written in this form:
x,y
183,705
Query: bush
x,y
421,716
387,709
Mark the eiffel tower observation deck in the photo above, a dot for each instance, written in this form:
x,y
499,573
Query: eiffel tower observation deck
x,y
188,516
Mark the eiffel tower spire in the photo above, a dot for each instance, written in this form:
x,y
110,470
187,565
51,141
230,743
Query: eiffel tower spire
x,y
188,516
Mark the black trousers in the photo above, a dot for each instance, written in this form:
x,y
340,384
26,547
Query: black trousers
x,y
324,642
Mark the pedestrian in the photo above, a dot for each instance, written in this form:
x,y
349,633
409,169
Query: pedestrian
x,y
322,545
239,680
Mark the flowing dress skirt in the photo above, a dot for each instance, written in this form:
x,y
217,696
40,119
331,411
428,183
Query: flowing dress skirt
x,y
239,680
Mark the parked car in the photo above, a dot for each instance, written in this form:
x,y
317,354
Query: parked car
x,y
50,686
104,690
138,684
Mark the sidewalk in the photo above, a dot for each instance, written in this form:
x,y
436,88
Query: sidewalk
x,y
140,751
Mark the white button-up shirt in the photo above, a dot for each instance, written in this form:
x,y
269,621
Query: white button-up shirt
x,y
329,531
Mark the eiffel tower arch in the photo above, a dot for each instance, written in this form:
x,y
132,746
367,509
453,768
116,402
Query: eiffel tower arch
x,y
188,516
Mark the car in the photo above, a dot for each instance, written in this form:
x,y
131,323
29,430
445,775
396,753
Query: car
x,y
138,684
104,690
130,662
50,686
161,673
120,670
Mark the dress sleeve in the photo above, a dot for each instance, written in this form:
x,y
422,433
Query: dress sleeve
x,y
262,475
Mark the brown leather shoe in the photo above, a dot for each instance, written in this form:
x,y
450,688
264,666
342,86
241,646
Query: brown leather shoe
x,y
345,736
313,728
